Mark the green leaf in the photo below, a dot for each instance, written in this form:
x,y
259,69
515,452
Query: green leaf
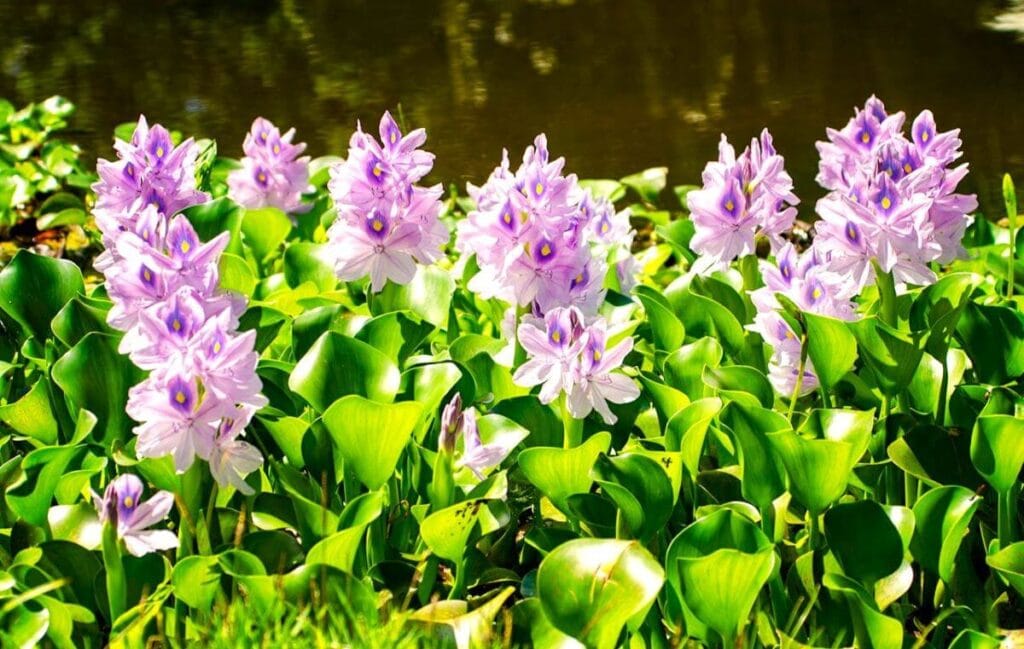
x,y
590,589
891,355
740,382
640,488
667,401
309,262
935,456
687,430
196,581
668,331
428,295
448,532
993,337
943,516
647,183
997,449
701,316
938,308
33,289
528,614
831,348
1009,563
970,639
340,549
216,216
396,334
872,630
752,427
717,566
94,376
560,473
684,368
818,469
236,275
43,470
464,628
863,540
370,436
32,416
337,365
264,230
80,316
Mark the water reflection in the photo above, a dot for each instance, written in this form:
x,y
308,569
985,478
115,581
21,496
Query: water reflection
x,y
617,84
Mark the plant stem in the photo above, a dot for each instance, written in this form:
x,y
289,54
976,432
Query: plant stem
x,y
940,407
117,589
799,378
1007,517
1010,197
572,428
887,311
520,351
814,532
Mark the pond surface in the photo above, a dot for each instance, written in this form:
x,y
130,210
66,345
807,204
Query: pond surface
x,y
618,85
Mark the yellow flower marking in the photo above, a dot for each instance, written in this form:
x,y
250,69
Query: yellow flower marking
x,y
277,148
128,501
545,250
886,202
185,247
180,397
729,205
159,152
539,189
865,137
556,336
377,171
378,225
597,354
924,136
176,325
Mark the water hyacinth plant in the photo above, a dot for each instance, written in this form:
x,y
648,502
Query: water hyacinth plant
x,y
366,410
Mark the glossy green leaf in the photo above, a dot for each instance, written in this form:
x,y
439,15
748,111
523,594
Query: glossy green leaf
x,y
891,355
997,449
752,427
34,288
993,337
590,589
309,262
337,365
264,230
943,516
864,540
448,532
872,629
32,416
717,566
560,473
370,436
640,488
94,376
428,295
667,329
684,368
831,347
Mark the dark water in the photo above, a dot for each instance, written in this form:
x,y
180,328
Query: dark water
x,y
618,85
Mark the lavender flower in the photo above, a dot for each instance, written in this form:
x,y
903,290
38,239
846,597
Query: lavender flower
x,y
567,357
813,288
272,174
121,505
538,238
893,200
150,170
595,384
385,224
476,456
202,389
742,198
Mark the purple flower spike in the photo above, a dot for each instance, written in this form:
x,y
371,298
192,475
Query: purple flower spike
x,y
272,173
122,505
386,224
742,198
892,200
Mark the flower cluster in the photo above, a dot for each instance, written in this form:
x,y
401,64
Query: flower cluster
x,y
742,198
567,357
121,505
476,456
272,173
202,389
385,223
813,288
892,200
539,239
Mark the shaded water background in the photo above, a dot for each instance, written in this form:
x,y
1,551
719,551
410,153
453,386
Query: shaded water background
x,y
618,85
